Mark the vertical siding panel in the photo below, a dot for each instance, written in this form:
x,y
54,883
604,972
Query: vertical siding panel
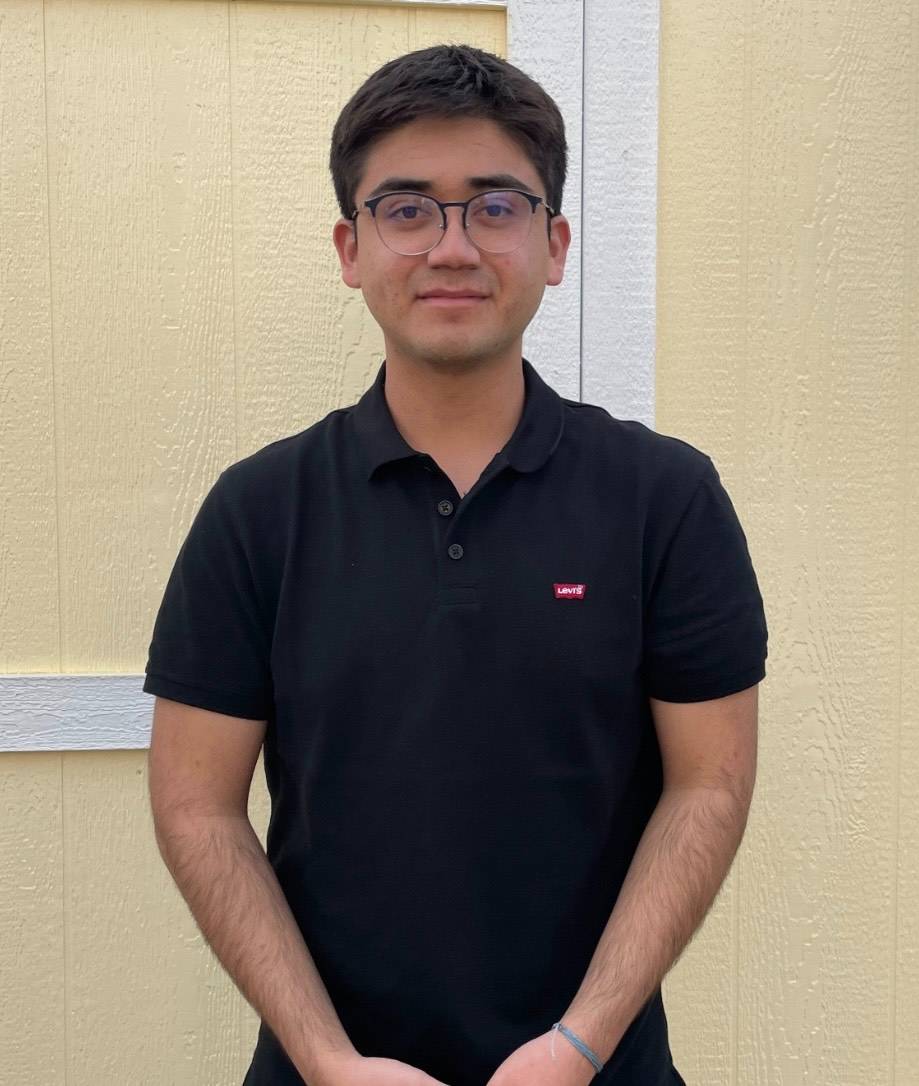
x,y
29,605
140,205
703,179
842,292
905,951
785,932
140,201
149,1000
788,370
34,1011
32,953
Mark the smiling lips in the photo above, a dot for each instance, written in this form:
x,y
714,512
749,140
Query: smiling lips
x,y
452,297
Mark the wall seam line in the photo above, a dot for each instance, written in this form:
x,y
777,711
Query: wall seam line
x,y
910,276
738,897
233,294
55,443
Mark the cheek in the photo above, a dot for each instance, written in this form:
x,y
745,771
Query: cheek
x,y
384,290
524,276
526,289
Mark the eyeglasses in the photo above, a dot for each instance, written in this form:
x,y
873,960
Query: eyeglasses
x,y
410,224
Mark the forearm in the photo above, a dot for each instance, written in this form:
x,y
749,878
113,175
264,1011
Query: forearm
x,y
224,875
682,859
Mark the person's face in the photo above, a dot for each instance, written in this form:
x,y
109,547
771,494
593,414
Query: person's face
x,y
439,157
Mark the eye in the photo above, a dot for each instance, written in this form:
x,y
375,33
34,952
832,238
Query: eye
x,y
499,208
495,210
405,209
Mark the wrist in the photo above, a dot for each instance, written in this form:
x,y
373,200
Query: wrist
x,y
585,1049
582,1060
601,1035
328,1066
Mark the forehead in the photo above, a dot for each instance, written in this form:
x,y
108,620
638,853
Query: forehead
x,y
450,156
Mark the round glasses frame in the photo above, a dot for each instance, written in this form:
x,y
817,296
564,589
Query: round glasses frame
x,y
371,206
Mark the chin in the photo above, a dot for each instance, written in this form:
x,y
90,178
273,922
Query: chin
x,y
459,349
454,357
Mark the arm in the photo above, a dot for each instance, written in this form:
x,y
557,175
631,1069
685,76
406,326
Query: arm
x,y
708,750
200,770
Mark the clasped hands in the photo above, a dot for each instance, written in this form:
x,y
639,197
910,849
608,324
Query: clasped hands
x,y
532,1064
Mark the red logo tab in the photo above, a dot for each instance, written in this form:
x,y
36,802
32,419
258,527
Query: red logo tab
x,y
570,591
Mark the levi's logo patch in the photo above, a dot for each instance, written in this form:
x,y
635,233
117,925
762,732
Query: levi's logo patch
x,y
569,591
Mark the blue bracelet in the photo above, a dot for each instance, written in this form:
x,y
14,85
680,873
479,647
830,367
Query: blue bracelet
x,y
579,1045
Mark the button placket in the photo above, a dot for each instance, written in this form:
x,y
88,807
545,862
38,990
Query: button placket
x,y
453,512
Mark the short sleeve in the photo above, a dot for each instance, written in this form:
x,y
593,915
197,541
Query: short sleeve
x,y
705,630
211,645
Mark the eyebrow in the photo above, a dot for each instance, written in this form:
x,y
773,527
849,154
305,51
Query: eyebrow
x,y
415,184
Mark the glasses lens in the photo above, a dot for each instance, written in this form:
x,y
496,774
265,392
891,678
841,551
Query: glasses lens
x,y
408,223
499,222
411,224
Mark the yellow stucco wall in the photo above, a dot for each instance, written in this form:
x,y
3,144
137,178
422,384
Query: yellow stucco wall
x,y
167,277
788,348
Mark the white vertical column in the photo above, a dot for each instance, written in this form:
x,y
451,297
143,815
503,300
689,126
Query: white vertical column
x,y
545,39
620,206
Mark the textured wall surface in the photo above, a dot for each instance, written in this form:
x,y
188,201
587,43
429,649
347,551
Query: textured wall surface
x,y
171,301
788,349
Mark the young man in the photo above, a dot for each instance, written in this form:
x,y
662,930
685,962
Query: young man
x,y
502,650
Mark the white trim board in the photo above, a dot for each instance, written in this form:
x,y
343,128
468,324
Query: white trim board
x,y
545,39
593,338
620,206
74,712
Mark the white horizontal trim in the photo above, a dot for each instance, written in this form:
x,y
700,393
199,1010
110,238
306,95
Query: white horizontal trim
x,y
74,712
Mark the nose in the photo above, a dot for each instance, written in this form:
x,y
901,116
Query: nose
x,y
454,248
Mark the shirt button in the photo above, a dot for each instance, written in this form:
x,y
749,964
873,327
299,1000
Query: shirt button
x,y
455,550
445,508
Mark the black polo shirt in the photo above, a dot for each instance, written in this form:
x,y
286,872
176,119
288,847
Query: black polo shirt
x,y
459,752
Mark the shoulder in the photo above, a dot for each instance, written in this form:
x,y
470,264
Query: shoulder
x,y
660,467
256,503
268,477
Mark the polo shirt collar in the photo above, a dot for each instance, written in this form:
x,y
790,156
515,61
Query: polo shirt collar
x,y
535,438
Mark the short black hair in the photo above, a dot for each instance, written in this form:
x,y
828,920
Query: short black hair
x,y
449,81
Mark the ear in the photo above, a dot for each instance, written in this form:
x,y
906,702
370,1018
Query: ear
x,y
344,236
559,241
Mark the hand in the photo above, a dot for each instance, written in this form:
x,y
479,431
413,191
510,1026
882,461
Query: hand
x,y
532,1064
353,1069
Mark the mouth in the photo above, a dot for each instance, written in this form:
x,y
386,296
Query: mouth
x,y
450,301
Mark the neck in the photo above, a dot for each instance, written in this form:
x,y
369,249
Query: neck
x,y
456,413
